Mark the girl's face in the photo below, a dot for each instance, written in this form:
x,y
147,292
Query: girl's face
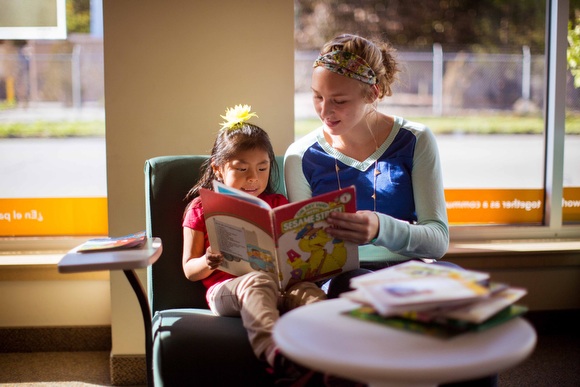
x,y
248,171
338,100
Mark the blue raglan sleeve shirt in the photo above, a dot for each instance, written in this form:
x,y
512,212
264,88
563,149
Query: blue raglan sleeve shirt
x,y
410,201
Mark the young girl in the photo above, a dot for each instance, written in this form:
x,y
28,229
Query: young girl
x,y
242,157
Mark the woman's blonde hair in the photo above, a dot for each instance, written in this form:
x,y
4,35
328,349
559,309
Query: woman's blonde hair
x,y
380,56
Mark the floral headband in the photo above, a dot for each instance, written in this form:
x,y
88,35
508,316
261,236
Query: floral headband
x,y
236,116
347,64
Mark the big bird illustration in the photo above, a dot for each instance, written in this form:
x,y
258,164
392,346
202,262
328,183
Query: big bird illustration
x,y
313,240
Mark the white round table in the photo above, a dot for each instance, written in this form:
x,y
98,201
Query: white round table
x,y
320,337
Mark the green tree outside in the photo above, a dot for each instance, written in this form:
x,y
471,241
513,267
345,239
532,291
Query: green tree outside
x,y
573,52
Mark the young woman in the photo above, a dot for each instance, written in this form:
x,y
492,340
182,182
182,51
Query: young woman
x,y
393,163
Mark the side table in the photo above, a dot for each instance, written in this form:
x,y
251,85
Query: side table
x,y
127,260
319,336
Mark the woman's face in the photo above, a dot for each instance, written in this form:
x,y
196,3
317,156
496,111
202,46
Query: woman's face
x,y
338,100
248,171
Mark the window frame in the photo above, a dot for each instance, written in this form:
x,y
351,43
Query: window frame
x,y
56,31
554,137
553,228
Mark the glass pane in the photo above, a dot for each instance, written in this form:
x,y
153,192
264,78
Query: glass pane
x,y
490,134
476,80
571,199
52,144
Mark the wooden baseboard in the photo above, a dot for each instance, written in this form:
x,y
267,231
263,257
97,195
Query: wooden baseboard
x,y
55,339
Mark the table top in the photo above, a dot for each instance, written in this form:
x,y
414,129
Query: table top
x,y
121,259
320,337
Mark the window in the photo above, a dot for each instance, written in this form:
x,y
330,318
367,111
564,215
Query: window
x,y
52,146
45,19
571,178
477,75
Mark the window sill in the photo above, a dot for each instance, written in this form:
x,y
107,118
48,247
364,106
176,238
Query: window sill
x,y
27,266
36,259
515,254
478,255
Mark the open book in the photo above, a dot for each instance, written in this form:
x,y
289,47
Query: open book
x,y
289,241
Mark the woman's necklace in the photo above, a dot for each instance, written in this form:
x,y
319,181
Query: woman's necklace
x,y
376,172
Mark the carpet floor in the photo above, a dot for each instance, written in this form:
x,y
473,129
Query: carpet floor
x,y
554,362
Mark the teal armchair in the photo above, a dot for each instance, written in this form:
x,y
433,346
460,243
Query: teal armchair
x,y
191,346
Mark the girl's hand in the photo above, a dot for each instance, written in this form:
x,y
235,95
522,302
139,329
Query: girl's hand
x,y
213,260
360,227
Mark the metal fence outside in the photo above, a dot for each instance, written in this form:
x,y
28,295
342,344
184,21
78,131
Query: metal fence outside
x,y
67,72
437,82
448,82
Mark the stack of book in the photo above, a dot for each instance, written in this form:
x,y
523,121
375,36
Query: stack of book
x,y
434,299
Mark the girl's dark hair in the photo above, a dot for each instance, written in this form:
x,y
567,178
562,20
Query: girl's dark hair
x,y
228,144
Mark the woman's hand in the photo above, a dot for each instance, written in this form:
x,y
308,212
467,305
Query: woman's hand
x,y
360,227
213,260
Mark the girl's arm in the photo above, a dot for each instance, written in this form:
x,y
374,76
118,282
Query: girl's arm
x,y
198,263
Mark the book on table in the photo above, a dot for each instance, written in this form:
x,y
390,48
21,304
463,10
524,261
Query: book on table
x,y
103,244
432,298
290,241
415,285
442,329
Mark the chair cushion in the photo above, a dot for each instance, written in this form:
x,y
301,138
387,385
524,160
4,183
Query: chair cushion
x,y
195,347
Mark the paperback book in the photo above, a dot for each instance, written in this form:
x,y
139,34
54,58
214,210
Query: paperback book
x,y
289,241
474,312
433,299
441,329
122,242
417,286
421,294
417,269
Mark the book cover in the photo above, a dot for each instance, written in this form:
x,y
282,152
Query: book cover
x,y
122,242
416,269
421,293
440,329
289,241
481,310
367,313
415,286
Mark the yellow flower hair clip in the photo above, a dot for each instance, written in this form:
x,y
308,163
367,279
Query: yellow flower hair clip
x,y
237,115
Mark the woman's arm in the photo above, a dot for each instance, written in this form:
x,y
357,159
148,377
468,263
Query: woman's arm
x,y
429,236
361,227
198,263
